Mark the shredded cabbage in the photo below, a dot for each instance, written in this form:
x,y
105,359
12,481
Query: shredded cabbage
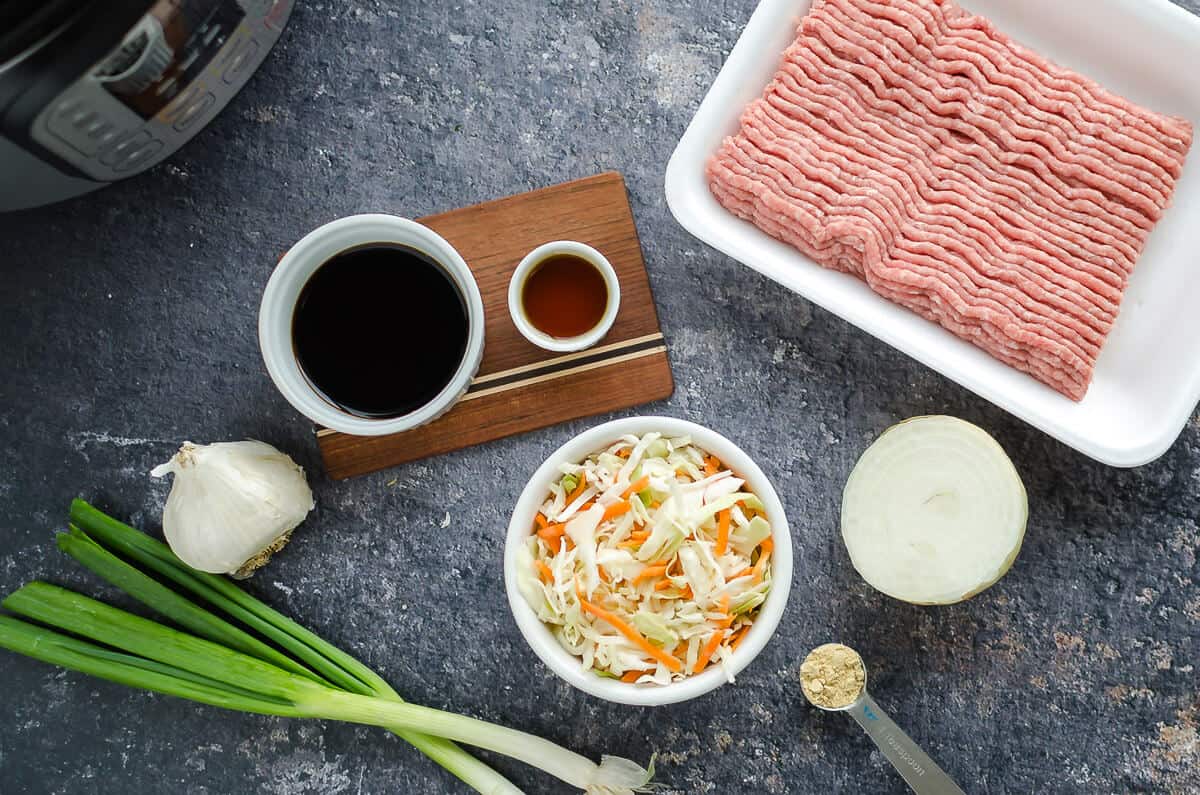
x,y
655,533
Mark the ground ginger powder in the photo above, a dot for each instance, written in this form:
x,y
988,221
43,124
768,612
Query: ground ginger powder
x,y
832,676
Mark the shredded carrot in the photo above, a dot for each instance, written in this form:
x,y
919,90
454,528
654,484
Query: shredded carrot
x,y
551,531
578,489
728,619
655,504
632,543
631,634
640,535
766,547
711,465
723,531
650,571
586,506
742,633
681,649
743,572
617,509
570,544
707,652
636,486
662,585
555,544
541,520
624,452
687,592
603,574
632,676
544,570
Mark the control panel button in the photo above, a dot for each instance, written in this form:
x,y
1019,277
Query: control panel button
x,y
105,139
122,149
138,157
240,59
80,127
190,114
66,106
175,109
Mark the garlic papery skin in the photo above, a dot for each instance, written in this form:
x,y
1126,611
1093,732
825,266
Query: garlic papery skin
x,y
232,504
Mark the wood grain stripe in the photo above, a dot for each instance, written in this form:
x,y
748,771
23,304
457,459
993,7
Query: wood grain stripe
x,y
569,357
563,373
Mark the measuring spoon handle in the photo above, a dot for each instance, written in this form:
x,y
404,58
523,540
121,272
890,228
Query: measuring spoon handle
x,y
921,772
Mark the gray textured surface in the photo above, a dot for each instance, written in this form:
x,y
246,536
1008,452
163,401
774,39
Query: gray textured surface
x,y
128,325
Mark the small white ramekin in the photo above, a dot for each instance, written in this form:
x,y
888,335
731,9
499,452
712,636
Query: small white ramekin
x,y
541,339
293,272
567,665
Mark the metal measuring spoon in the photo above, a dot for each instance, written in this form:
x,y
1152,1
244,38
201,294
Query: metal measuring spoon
x,y
920,772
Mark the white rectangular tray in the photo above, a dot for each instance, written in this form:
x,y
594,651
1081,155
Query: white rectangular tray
x,y
1147,379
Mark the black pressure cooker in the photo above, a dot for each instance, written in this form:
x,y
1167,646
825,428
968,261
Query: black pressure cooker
x,y
92,92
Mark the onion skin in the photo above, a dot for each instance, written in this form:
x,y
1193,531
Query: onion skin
x,y
987,448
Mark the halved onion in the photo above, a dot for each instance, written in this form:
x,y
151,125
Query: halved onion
x,y
934,511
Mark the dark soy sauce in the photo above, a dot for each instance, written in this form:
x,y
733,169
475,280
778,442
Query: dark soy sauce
x,y
379,330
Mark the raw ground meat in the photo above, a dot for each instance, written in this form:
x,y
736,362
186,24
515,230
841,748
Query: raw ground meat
x,y
959,174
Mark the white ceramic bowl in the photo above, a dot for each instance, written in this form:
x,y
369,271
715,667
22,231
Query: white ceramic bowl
x,y
1147,379
567,665
563,344
291,274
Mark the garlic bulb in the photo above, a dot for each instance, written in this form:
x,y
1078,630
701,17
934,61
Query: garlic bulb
x,y
232,504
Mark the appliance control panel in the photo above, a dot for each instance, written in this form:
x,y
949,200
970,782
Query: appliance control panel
x,y
172,72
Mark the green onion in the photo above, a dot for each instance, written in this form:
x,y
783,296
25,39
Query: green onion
x,y
53,647
169,604
332,663
337,666
88,618
225,665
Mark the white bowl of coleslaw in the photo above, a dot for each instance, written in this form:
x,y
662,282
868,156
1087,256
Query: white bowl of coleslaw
x,y
648,561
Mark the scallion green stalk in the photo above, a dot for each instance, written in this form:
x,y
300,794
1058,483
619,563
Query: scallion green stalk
x,y
58,649
327,660
88,618
215,674
169,604
331,662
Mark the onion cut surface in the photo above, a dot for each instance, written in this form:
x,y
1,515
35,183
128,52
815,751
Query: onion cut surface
x,y
934,511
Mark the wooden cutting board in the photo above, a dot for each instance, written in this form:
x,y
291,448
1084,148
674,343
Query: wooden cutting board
x,y
521,387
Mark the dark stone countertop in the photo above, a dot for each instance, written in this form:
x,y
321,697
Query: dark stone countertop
x,y
128,325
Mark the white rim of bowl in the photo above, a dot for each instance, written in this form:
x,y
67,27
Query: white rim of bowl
x,y
293,272
564,344
567,665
